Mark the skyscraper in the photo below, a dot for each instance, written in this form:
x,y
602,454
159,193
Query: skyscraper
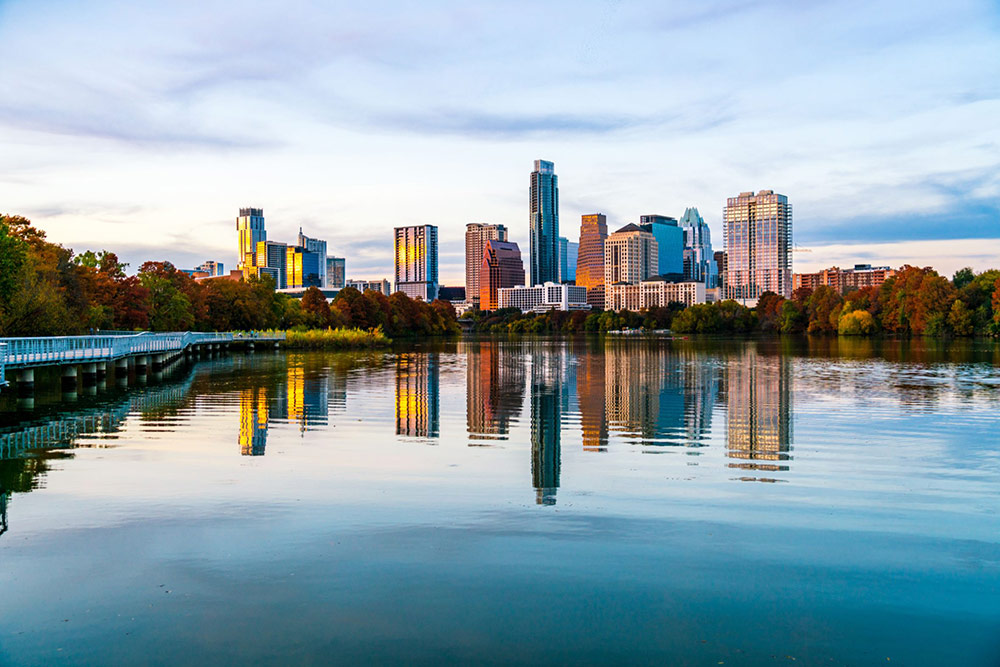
x,y
699,265
590,261
757,229
302,267
544,224
630,255
569,251
317,246
250,229
272,260
669,242
417,261
501,267
336,272
476,236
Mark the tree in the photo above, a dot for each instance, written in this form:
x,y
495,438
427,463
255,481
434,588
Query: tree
x,y
316,307
856,323
960,319
963,277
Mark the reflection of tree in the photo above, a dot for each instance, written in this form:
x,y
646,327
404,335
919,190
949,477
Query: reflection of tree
x,y
759,402
547,380
495,389
417,392
22,475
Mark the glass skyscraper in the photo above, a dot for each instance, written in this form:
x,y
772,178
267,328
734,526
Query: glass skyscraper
x,y
417,261
544,224
669,242
250,229
757,229
699,264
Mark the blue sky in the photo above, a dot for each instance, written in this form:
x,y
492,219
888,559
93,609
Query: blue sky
x,y
143,127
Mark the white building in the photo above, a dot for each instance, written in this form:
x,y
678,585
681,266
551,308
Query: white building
x,y
382,286
542,298
652,294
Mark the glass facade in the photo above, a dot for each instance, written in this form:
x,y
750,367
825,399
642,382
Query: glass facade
x,y
590,260
544,224
757,230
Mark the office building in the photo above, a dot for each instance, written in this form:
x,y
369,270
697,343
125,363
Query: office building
x,y
653,294
317,246
699,264
380,286
476,236
416,253
669,242
250,231
843,280
569,252
271,258
721,265
336,272
590,261
502,267
630,255
543,246
757,231
542,298
302,268
212,268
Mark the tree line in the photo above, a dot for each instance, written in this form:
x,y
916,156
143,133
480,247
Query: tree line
x,y
47,290
916,301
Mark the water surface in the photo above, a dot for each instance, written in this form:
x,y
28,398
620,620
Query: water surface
x,y
538,501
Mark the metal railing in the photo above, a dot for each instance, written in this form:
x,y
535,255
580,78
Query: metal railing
x,y
24,352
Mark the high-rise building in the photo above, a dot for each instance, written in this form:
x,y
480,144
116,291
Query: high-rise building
x,y
476,236
669,241
569,251
271,258
501,267
381,286
302,268
699,264
317,246
630,255
250,229
212,268
757,229
590,261
336,272
544,224
417,261
721,266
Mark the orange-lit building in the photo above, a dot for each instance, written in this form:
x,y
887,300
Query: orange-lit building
x,y
501,267
590,260
861,276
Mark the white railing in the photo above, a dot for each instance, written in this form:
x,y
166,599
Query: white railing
x,y
22,352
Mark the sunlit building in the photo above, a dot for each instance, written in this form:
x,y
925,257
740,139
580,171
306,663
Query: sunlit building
x,y
476,236
544,224
699,264
417,395
416,256
757,229
842,280
653,294
669,242
501,268
250,232
543,298
590,260
302,268
630,256
212,268
271,258
317,246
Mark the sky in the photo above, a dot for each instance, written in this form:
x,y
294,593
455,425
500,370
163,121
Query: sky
x,y
143,127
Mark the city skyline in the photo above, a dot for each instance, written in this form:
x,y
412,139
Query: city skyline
x,y
145,130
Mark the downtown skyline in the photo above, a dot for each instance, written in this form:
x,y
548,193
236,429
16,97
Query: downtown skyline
x,y
877,122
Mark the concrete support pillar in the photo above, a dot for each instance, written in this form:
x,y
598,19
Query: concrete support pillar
x,y
88,374
69,373
250,346
26,383
102,371
121,372
158,360
141,364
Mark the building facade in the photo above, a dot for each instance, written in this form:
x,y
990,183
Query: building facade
x,y
501,267
250,231
542,298
590,261
416,254
653,294
699,264
212,268
842,280
630,255
317,246
669,242
380,286
569,251
302,268
336,272
476,236
757,230
271,258
543,201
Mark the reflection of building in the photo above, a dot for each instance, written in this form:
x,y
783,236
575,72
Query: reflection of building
x,y
757,229
304,397
543,249
417,387
495,384
417,261
3,512
253,421
542,298
501,268
760,424
590,379
590,260
547,368
476,236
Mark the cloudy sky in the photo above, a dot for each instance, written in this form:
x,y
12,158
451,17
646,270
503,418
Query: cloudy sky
x,y
143,127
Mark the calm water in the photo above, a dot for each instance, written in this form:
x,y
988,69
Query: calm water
x,y
541,501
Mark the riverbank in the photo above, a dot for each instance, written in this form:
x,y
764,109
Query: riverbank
x,y
335,339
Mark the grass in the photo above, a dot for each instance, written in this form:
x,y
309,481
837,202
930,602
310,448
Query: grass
x,y
335,339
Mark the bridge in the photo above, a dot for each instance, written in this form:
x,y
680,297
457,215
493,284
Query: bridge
x,y
143,350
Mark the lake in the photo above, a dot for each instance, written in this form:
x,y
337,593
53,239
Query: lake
x,y
538,501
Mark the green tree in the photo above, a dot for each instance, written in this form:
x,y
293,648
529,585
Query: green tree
x,y
960,319
856,323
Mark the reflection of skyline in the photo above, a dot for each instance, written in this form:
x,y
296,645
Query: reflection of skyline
x,y
495,379
547,387
417,395
253,421
759,407
590,389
